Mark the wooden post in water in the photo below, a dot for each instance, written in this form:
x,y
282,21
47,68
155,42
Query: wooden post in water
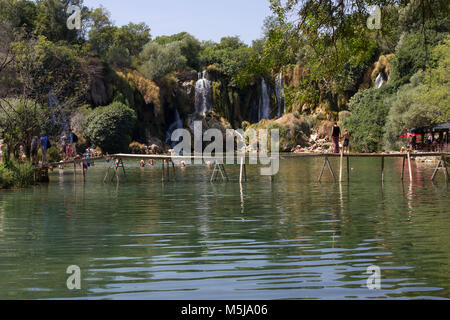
x,y
245,171
444,167
410,167
331,169
174,172
341,165
382,168
403,168
242,170
163,173
325,163
323,168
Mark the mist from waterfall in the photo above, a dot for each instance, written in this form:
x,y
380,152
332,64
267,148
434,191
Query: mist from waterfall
x,y
279,91
264,102
203,94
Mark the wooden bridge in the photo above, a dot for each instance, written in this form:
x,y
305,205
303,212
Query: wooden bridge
x,y
168,163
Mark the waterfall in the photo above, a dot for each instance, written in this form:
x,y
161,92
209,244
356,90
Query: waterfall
x,y
279,91
203,94
177,124
264,102
379,81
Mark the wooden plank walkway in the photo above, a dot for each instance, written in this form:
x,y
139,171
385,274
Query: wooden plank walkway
x,y
241,160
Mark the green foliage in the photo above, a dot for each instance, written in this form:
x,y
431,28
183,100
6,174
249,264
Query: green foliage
x,y
159,60
413,54
6,178
14,174
424,101
118,57
51,21
190,47
21,14
132,37
103,37
369,109
231,55
20,120
110,127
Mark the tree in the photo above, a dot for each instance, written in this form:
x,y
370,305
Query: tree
x,y
132,37
20,120
231,55
110,127
369,109
159,60
424,101
190,47
20,14
51,21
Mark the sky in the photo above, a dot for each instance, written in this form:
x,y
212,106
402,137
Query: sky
x,y
205,19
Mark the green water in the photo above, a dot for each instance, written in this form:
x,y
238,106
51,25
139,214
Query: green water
x,y
293,238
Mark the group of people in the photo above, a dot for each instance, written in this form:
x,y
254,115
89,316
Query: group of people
x,y
431,144
336,136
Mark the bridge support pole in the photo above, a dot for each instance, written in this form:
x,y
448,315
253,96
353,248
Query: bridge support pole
x,y
403,168
440,164
410,167
163,178
325,163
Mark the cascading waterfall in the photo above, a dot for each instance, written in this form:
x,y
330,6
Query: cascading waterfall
x,y
264,102
279,91
379,81
203,94
177,124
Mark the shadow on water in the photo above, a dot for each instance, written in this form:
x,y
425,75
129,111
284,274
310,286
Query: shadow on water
x,y
292,238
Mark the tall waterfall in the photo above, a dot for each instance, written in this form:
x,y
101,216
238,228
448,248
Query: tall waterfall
x,y
177,124
279,91
203,94
264,102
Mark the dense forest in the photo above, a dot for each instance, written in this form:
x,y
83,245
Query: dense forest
x,y
120,88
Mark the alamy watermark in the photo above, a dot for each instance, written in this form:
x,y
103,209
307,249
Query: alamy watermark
x,y
236,147
374,21
74,19
74,280
374,280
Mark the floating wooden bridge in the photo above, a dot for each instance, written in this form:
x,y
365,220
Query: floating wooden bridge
x,y
168,163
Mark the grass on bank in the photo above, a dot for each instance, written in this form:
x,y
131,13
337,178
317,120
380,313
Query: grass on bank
x,y
16,175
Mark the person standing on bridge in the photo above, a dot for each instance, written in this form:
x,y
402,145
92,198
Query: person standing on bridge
x,y
73,139
45,145
336,136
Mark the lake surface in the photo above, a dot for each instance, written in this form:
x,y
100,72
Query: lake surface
x,y
290,239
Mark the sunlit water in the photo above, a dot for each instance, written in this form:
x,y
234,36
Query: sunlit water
x,y
290,239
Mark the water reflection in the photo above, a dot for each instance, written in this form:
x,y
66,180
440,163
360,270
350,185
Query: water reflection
x,y
293,238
